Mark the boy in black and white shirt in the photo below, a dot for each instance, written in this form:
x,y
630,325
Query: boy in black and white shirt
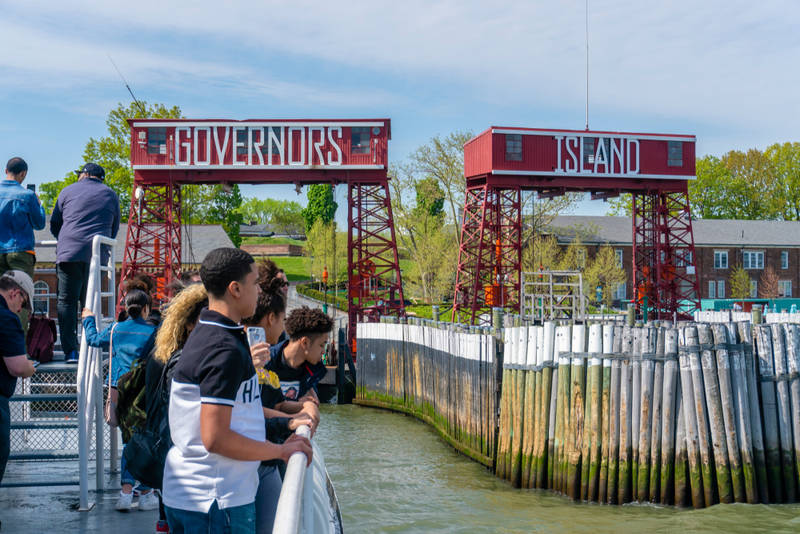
x,y
215,415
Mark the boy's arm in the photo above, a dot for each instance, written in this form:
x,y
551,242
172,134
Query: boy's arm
x,y
218,438
37,217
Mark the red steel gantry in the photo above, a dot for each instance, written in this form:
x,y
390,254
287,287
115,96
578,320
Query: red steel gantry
x,y
500,163
168,153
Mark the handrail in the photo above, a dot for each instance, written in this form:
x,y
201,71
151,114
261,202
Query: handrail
x,y
290,503
90,373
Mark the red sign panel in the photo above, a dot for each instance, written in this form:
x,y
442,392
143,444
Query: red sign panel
x,y
288,145
580,154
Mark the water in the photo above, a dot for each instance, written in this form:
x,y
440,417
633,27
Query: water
x,y
394,474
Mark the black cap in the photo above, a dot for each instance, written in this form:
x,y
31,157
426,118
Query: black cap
x,y
92,169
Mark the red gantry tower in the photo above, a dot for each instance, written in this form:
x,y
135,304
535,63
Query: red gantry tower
x,y
168,153
655,169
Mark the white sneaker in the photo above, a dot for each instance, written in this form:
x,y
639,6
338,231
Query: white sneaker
x,y
148,501
124,502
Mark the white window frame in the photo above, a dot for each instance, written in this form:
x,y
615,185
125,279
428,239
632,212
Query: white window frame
x,y
620,255
753,259
720,289
753,289
785,289
718,257
784,259
712,289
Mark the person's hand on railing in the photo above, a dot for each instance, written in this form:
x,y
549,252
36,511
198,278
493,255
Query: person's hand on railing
x,y
260,354
311,396
86,312
295,444
310,410
302,419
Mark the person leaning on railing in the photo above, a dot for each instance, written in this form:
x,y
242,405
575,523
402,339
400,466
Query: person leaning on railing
x,y
20,214
16,292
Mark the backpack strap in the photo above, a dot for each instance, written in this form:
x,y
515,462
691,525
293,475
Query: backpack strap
x,y
110,351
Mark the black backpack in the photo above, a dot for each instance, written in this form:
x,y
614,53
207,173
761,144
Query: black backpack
x,y
146,452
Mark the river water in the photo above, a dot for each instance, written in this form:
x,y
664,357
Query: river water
x,y
394,474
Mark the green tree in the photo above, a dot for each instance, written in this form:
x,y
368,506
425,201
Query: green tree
x,y
604,272
224,210
285,216
785,159
327,248
320,205
740,283
112,152
541,253
442,160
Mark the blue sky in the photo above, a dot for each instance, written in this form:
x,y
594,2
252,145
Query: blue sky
x,y
725,71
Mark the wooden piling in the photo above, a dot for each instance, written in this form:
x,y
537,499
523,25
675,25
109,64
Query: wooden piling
x,y
655,422
793,364
605,399
745,331
681,477
728,406
624,489
635,412
577,406
592,452
668,459
784,411
713,407
642,459
696,479
614,428
770,412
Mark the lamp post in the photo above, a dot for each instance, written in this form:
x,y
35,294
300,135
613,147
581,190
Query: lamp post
x,y
325,285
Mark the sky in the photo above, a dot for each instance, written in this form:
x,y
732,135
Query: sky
x,y
725,71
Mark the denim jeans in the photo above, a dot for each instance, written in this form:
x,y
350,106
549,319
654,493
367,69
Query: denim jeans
x,y
236,520
269,490
125,476
72,279
5,434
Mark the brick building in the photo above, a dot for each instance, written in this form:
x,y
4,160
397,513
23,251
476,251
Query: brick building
x,y
198,240
720,245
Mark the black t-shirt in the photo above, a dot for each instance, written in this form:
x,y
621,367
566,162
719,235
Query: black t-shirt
x,y
12,344
294,382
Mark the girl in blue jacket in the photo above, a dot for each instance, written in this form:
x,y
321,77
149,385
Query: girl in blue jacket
x,y
133,339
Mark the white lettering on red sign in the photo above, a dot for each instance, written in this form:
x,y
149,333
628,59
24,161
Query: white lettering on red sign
x,y
610,155
293,145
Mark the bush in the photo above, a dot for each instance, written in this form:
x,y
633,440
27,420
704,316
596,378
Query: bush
x,y
334,300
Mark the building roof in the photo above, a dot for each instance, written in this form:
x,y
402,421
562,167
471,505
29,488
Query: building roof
x,y
197,241
707,232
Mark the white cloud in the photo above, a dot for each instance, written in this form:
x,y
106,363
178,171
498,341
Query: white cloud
x,y
731,64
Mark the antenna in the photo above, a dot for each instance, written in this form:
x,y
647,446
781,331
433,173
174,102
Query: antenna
x,y
128,87
587,65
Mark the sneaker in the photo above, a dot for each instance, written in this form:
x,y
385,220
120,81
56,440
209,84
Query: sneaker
x,y
162,527
148,501
72,357
124,502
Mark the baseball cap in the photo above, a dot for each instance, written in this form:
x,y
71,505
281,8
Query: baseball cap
x,y
92,169
22,280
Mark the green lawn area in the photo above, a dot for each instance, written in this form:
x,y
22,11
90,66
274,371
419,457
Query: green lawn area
x,y
272,241
296,267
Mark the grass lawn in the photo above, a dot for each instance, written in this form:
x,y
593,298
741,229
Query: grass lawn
x,y
250,240
296,267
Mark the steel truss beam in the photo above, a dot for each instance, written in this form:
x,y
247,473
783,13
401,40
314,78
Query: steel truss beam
x,y
375,283
490,254
664,269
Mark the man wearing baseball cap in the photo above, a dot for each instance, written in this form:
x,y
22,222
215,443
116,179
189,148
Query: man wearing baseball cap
x,y
16,292
83,210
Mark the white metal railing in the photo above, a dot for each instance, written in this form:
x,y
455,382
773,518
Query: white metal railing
x,y
90,372
307,503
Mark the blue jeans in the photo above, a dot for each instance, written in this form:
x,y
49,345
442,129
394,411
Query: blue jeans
x,y
236,520
269,490
5,434
125,476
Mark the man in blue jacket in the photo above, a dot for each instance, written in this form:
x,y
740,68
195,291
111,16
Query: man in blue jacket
x,y
20,214
83,210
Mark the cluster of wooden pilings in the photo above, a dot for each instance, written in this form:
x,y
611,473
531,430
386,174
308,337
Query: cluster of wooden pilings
x,y
441,373
688,415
